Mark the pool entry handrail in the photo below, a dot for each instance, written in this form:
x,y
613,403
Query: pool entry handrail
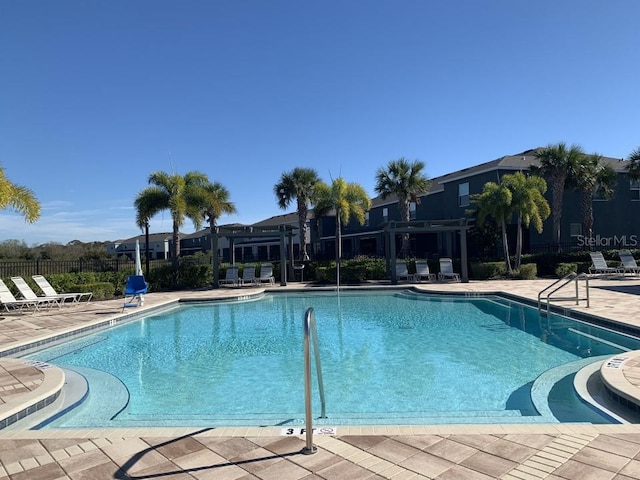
x,y
561,282
310,331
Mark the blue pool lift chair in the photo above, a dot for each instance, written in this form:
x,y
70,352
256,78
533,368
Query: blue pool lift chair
x,y
134,290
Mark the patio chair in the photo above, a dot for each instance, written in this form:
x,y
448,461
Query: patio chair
x,y
11,304
599,265
402,272
49,291
248,275
629,264
423,273
28,294
135,287
230,277
446,271
266,274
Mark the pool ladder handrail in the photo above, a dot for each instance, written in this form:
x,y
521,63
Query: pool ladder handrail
x,y
563,281
310,331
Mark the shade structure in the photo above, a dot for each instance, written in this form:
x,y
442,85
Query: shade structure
x,y
137,258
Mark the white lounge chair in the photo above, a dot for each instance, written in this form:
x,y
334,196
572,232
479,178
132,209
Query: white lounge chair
x,y
11,304
599,265
26,291
423,273
266,274
446,271
402,272
629,264
231,277
49,291
248,275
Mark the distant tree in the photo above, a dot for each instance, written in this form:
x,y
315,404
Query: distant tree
x,y
593,178
557,164
405,180
527,203
495,202
634,164
18,198
299,183
347,200
171,192
13,250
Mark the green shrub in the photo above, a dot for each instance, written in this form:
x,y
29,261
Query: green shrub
x,y
100,290
527,271
487,270
362,269
563,269
194,273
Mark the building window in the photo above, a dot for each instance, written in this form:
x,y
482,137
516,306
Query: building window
x,y
385,214
463,195
412,211
575,229
635,189
366,218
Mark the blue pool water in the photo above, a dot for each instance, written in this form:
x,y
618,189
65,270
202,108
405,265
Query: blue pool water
x,y
386,358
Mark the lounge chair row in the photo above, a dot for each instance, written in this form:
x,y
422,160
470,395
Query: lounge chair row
x,y
422,271
31,301
232,277
600,266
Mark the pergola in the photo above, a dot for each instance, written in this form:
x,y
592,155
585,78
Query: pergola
x,y
283,232
460,225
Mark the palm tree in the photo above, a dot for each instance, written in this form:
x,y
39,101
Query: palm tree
x,y
594,178
495,201
172,192
347,200
18,198
213,199
557,164
634,164
528,204
406,181
300,184
145,209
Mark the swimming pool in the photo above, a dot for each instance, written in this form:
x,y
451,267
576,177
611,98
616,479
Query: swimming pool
x,y
387,358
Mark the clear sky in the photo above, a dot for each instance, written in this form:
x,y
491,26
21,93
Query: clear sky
x,y
95,95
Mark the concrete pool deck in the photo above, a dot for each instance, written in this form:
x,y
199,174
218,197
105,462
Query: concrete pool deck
x,y
444,452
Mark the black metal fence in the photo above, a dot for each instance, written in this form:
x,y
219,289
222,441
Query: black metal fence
x,y
559,248
27,268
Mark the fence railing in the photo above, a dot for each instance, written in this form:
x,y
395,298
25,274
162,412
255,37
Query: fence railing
x,y
27,268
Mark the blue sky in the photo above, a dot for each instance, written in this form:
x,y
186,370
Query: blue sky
x,y
95,95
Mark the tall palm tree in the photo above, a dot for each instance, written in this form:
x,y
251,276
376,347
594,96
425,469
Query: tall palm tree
x,y
495,201
172,192
634,164
213,201
406,181
300,184
18,198
557,164
527,203
145,209
594,178
347,200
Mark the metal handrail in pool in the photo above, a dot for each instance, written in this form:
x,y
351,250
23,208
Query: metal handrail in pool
x,y
568,278
310,330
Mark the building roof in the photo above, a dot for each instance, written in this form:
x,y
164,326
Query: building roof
x,y
285,218
153,237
